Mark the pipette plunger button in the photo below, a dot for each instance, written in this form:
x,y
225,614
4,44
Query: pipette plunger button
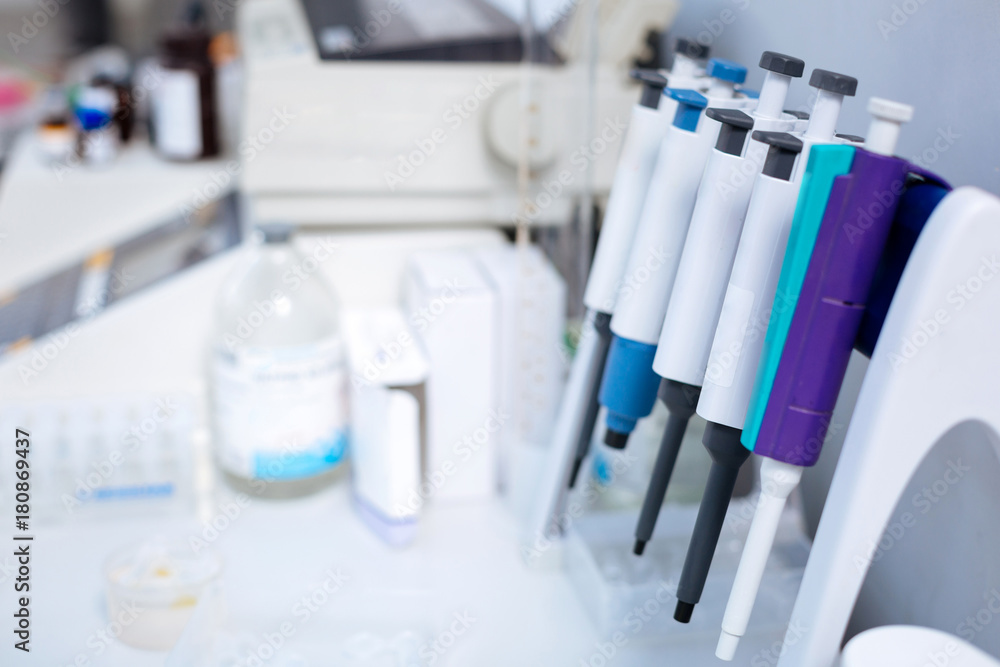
x,y
726,70
691,49
841,84
653,84
779,63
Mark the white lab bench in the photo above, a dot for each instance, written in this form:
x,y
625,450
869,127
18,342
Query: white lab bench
x,y
465,558
154,342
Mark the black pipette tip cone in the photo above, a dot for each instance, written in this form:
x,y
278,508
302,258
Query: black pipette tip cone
x,y
577,463
728,456
602,327
680,400
615,439
683,611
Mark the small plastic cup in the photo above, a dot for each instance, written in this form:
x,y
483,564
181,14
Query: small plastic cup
x,y
153,588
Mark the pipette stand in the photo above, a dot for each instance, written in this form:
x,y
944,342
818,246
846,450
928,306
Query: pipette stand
x,y
911,645
919,385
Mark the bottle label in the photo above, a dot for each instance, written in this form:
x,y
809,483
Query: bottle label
x,y
177,115
280,413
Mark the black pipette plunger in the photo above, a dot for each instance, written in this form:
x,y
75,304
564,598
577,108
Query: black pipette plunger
x,y
681,400
602,329
723,442
728,455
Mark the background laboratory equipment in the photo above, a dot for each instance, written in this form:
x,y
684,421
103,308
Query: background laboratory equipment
x,y
388,418
278,371
185,126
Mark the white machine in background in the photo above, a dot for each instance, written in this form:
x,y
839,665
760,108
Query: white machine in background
x,y
425,114
421,123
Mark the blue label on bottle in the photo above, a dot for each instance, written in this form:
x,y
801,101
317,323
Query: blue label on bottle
x,y
298,463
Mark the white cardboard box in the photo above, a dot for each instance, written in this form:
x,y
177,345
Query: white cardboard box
x,y
530,354
454,312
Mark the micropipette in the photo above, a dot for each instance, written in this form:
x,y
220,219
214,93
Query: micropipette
x,y
838,239
701,258
628,192
629,387
772,207
578,409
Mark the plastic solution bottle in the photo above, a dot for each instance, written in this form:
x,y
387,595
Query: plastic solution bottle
x,y
279,383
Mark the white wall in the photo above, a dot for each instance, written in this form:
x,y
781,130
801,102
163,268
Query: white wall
x,y
941,56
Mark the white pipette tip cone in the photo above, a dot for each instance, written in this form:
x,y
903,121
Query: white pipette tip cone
x,y
887,118
726,650
777,480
